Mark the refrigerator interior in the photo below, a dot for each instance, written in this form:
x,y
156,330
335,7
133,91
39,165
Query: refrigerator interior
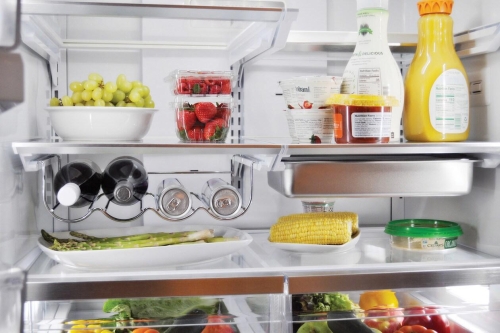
x,y
470,298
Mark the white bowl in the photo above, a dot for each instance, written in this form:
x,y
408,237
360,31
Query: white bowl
x,y
89,123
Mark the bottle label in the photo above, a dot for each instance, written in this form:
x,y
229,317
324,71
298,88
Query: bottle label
x,y
371,125
449,103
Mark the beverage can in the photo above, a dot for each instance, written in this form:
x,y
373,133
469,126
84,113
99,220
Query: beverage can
x,y
174,200
223,199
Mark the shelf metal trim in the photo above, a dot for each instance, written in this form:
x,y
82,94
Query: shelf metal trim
x,y
394,280
58,291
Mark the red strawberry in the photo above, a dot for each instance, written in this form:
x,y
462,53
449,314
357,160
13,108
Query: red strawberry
x,y
290,106
223,111
225,87
199,88
195,134
215,89
210,81
315,139
215,130
182,88
186,119
308,105
205,111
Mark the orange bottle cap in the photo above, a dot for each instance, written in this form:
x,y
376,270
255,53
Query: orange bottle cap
x,y
435,7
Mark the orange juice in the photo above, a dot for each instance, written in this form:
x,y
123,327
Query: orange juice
x,y
436,104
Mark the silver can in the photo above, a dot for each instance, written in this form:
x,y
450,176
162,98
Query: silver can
x,y
174,200
222,198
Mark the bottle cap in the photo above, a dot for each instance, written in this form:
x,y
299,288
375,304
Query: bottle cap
x,y
68,194
435,7
365,4
123,193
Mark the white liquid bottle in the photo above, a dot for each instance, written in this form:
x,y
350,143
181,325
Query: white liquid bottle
x,y
372,70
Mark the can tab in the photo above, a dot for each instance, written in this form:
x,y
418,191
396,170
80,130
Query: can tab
x,y
223,203
173,204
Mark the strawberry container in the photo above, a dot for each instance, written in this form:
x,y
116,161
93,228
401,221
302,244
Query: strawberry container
x,y
201,83
202,119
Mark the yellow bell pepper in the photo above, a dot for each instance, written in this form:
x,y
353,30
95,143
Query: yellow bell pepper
x,y
372,299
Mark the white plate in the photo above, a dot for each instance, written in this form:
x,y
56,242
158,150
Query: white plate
x,y
314,248
89,123
150,256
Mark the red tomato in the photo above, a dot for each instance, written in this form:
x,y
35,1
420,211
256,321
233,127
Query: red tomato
x,y
386,320
428,317
224,328
415,329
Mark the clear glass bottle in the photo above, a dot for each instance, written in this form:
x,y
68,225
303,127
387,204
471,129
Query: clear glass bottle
x,y
78,183
436,86
372,69
125,181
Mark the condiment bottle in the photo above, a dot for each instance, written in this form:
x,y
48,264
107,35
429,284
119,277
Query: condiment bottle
x,y
436,87
372,69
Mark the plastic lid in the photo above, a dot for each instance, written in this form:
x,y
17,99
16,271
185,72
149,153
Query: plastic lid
x,y
362,100
423,229
364,4
435,7
68,194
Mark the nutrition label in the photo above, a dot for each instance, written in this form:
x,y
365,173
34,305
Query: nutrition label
x,y
371,125
449,103
369,81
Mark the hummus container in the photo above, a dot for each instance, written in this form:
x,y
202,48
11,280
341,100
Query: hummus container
x,y
423,235
310,126
309,92
362,118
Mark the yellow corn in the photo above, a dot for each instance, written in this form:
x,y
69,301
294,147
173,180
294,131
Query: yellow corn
x,y
314,228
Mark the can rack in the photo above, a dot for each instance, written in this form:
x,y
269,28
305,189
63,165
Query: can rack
x,y
238,180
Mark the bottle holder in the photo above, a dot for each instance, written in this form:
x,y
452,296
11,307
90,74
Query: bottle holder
x,y
241,180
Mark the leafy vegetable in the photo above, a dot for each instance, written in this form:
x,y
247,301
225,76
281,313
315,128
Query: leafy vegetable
x,y
323,302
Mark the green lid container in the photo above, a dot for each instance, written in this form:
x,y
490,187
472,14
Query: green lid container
x,y
422,228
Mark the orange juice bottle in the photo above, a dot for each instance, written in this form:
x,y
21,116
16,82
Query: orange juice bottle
x,y
436,104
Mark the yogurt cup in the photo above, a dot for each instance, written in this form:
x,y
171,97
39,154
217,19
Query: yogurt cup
x,y
310,126
309,92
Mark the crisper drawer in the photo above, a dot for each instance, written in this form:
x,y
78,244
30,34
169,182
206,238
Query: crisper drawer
x,y
369,176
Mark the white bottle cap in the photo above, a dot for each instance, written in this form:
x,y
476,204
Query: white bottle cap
x,y
364,4
69,194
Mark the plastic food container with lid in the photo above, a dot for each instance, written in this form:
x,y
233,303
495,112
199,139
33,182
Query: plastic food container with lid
x,y
362,118
423,234
202,119
200,83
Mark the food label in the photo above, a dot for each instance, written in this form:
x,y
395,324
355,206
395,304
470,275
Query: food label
x,y
449,103
438,243
337,126
305,123
371,124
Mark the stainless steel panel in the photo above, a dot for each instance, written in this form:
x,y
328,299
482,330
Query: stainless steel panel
x,y
374,178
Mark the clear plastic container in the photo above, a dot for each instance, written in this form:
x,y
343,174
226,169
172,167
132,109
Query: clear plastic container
x,y
423,235
203,119
317,206
200,83
362,118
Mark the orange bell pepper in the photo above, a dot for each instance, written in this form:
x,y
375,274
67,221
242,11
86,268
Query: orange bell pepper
x,y
415,329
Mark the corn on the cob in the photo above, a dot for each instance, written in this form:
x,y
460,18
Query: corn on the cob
x,y
314,228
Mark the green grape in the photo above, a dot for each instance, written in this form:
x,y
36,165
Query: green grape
x,y
107,96
90,85
118,96
135,95
149,104
99,102
77,97
95,77
79,104
130,105
54,101
125,86
121,104
140,102
66,101
110,104
97,94
76,86
89,103
87,95
147,98
121,78
145,91
136,84
110,87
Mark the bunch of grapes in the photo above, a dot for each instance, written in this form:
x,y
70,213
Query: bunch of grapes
x,y
94,92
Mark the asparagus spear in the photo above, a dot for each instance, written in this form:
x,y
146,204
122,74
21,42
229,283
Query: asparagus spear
x,y
159,240
112,239
51,239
